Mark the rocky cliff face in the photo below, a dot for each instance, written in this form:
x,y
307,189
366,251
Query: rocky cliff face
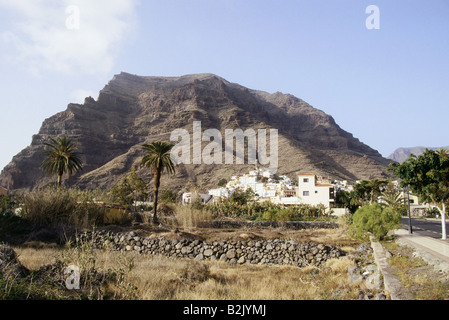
x,y
132,110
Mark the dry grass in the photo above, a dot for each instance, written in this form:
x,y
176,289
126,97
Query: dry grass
x,y
35,254
160,278
188,217
147,277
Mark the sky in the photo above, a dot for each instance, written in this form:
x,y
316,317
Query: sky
x,y
380,68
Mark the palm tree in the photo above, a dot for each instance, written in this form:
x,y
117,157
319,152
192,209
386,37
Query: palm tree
x,y
376,186
157,158
393,198
61,158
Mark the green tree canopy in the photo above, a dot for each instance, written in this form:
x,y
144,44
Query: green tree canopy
x,y
428,176
243,197
132,188
222,182
61,158
375,219
393,198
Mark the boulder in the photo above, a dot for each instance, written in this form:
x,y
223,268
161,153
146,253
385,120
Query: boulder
x,y
10,265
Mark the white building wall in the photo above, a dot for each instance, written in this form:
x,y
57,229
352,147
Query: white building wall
x,y
312,193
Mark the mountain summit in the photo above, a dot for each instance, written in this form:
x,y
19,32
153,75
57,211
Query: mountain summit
x,y
402,154
132,110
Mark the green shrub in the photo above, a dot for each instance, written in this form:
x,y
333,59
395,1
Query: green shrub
x,y
167,196
374,219
222,182
278,215
267,211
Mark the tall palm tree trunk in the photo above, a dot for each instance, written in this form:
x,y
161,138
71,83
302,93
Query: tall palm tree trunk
x,y
157,182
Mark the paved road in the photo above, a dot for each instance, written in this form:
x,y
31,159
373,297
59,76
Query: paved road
x,y
426,227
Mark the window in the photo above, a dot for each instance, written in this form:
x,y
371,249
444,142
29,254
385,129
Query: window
x,y
305,180
305,193
316,191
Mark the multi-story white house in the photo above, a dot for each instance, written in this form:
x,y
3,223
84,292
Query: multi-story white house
x,y
314,190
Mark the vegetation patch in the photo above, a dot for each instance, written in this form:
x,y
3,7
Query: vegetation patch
x,y
376,220
417,277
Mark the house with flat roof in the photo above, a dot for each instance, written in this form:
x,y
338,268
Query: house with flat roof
x,y
315,190
189,197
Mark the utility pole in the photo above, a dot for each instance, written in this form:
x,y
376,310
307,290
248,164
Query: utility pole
x,y
443,221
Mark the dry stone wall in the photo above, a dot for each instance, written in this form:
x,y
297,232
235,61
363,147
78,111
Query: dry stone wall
x,y
296,225
263,252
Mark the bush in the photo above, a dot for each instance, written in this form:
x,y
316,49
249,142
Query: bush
x,y
376,220
266,211
116,216
54,206
278,215
167,196
10,223
222,182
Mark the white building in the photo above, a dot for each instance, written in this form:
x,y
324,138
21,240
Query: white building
x,y
223,193
314,190
311,189
189,197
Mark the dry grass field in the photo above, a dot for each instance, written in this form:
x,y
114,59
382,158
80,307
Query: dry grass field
x,y
147,277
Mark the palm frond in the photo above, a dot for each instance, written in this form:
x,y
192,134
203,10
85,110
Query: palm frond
x,y
61,157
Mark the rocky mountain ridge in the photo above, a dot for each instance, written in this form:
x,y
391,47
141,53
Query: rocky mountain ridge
x,y
401,154
132,110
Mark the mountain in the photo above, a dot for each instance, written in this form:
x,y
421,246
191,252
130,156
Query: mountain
x,y
132,110
401,154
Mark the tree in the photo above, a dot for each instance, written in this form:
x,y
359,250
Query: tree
x,y
61,158
361,194
222,182
157,158
122,193
243,197
366,192
393,198
130,190
428,176
375,219
138,187
168,196
343,199
375,186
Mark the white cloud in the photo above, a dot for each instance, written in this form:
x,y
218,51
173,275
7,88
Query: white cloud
x,y
47,35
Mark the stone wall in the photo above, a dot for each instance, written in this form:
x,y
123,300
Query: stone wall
x,y
296,225
264,252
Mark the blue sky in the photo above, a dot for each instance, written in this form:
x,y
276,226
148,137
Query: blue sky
x,y
389,87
